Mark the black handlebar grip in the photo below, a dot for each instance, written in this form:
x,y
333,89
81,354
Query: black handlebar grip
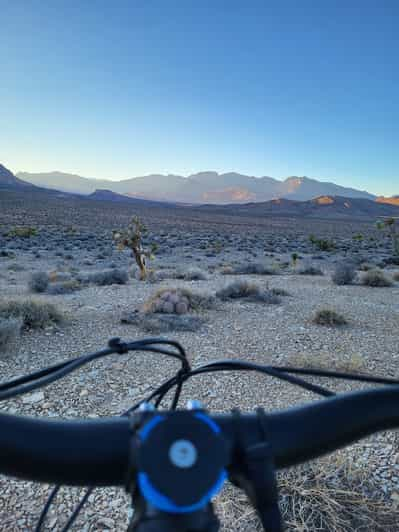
x,y
76,453
96,452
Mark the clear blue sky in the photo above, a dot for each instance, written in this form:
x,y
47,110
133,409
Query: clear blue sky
x,y
122,88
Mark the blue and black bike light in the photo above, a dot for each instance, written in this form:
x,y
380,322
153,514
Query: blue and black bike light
x,y
181,461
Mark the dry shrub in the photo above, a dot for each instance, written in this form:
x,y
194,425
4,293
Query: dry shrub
x,y
375,278
15,267
57,276
64,287
38,282
192,274
310,269
326,495
108,277
254,268
10,330
227,269
249,292
344,273
34,314
238,289
23,231
366,266
329,318
279,292
53,276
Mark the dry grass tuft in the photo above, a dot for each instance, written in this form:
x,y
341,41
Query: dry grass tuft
x,y
351,362
327,495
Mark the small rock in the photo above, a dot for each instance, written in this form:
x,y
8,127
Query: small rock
x,y
33,398
107,522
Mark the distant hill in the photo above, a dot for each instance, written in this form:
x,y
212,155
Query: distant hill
x,y
394,200
203,187
327,207
108,195
65,182
8,179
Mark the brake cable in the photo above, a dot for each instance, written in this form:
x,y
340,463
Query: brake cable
x,y
121,348
49,375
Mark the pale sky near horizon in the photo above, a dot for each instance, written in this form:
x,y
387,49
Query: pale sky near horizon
x,y
120,89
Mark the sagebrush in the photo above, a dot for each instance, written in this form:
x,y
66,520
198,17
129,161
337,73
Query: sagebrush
x,y
33,314
376,278
38,282
344,273
329,317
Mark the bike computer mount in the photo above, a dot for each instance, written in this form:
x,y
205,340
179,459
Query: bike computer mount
x,y
180,460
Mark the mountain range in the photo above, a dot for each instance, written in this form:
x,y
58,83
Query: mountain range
x,y
311,203
203,187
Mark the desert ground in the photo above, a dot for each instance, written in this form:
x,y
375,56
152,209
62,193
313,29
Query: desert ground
x,y
95,288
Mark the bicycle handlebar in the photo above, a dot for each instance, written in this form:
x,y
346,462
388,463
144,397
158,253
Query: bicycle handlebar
x,y
96,452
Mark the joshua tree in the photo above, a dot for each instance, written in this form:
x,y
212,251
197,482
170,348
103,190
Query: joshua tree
x,y
132,238
391,225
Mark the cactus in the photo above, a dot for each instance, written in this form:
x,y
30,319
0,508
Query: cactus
x,y
178,301
131,238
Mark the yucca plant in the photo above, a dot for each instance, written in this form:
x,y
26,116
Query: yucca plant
x,y
391,225
132,238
